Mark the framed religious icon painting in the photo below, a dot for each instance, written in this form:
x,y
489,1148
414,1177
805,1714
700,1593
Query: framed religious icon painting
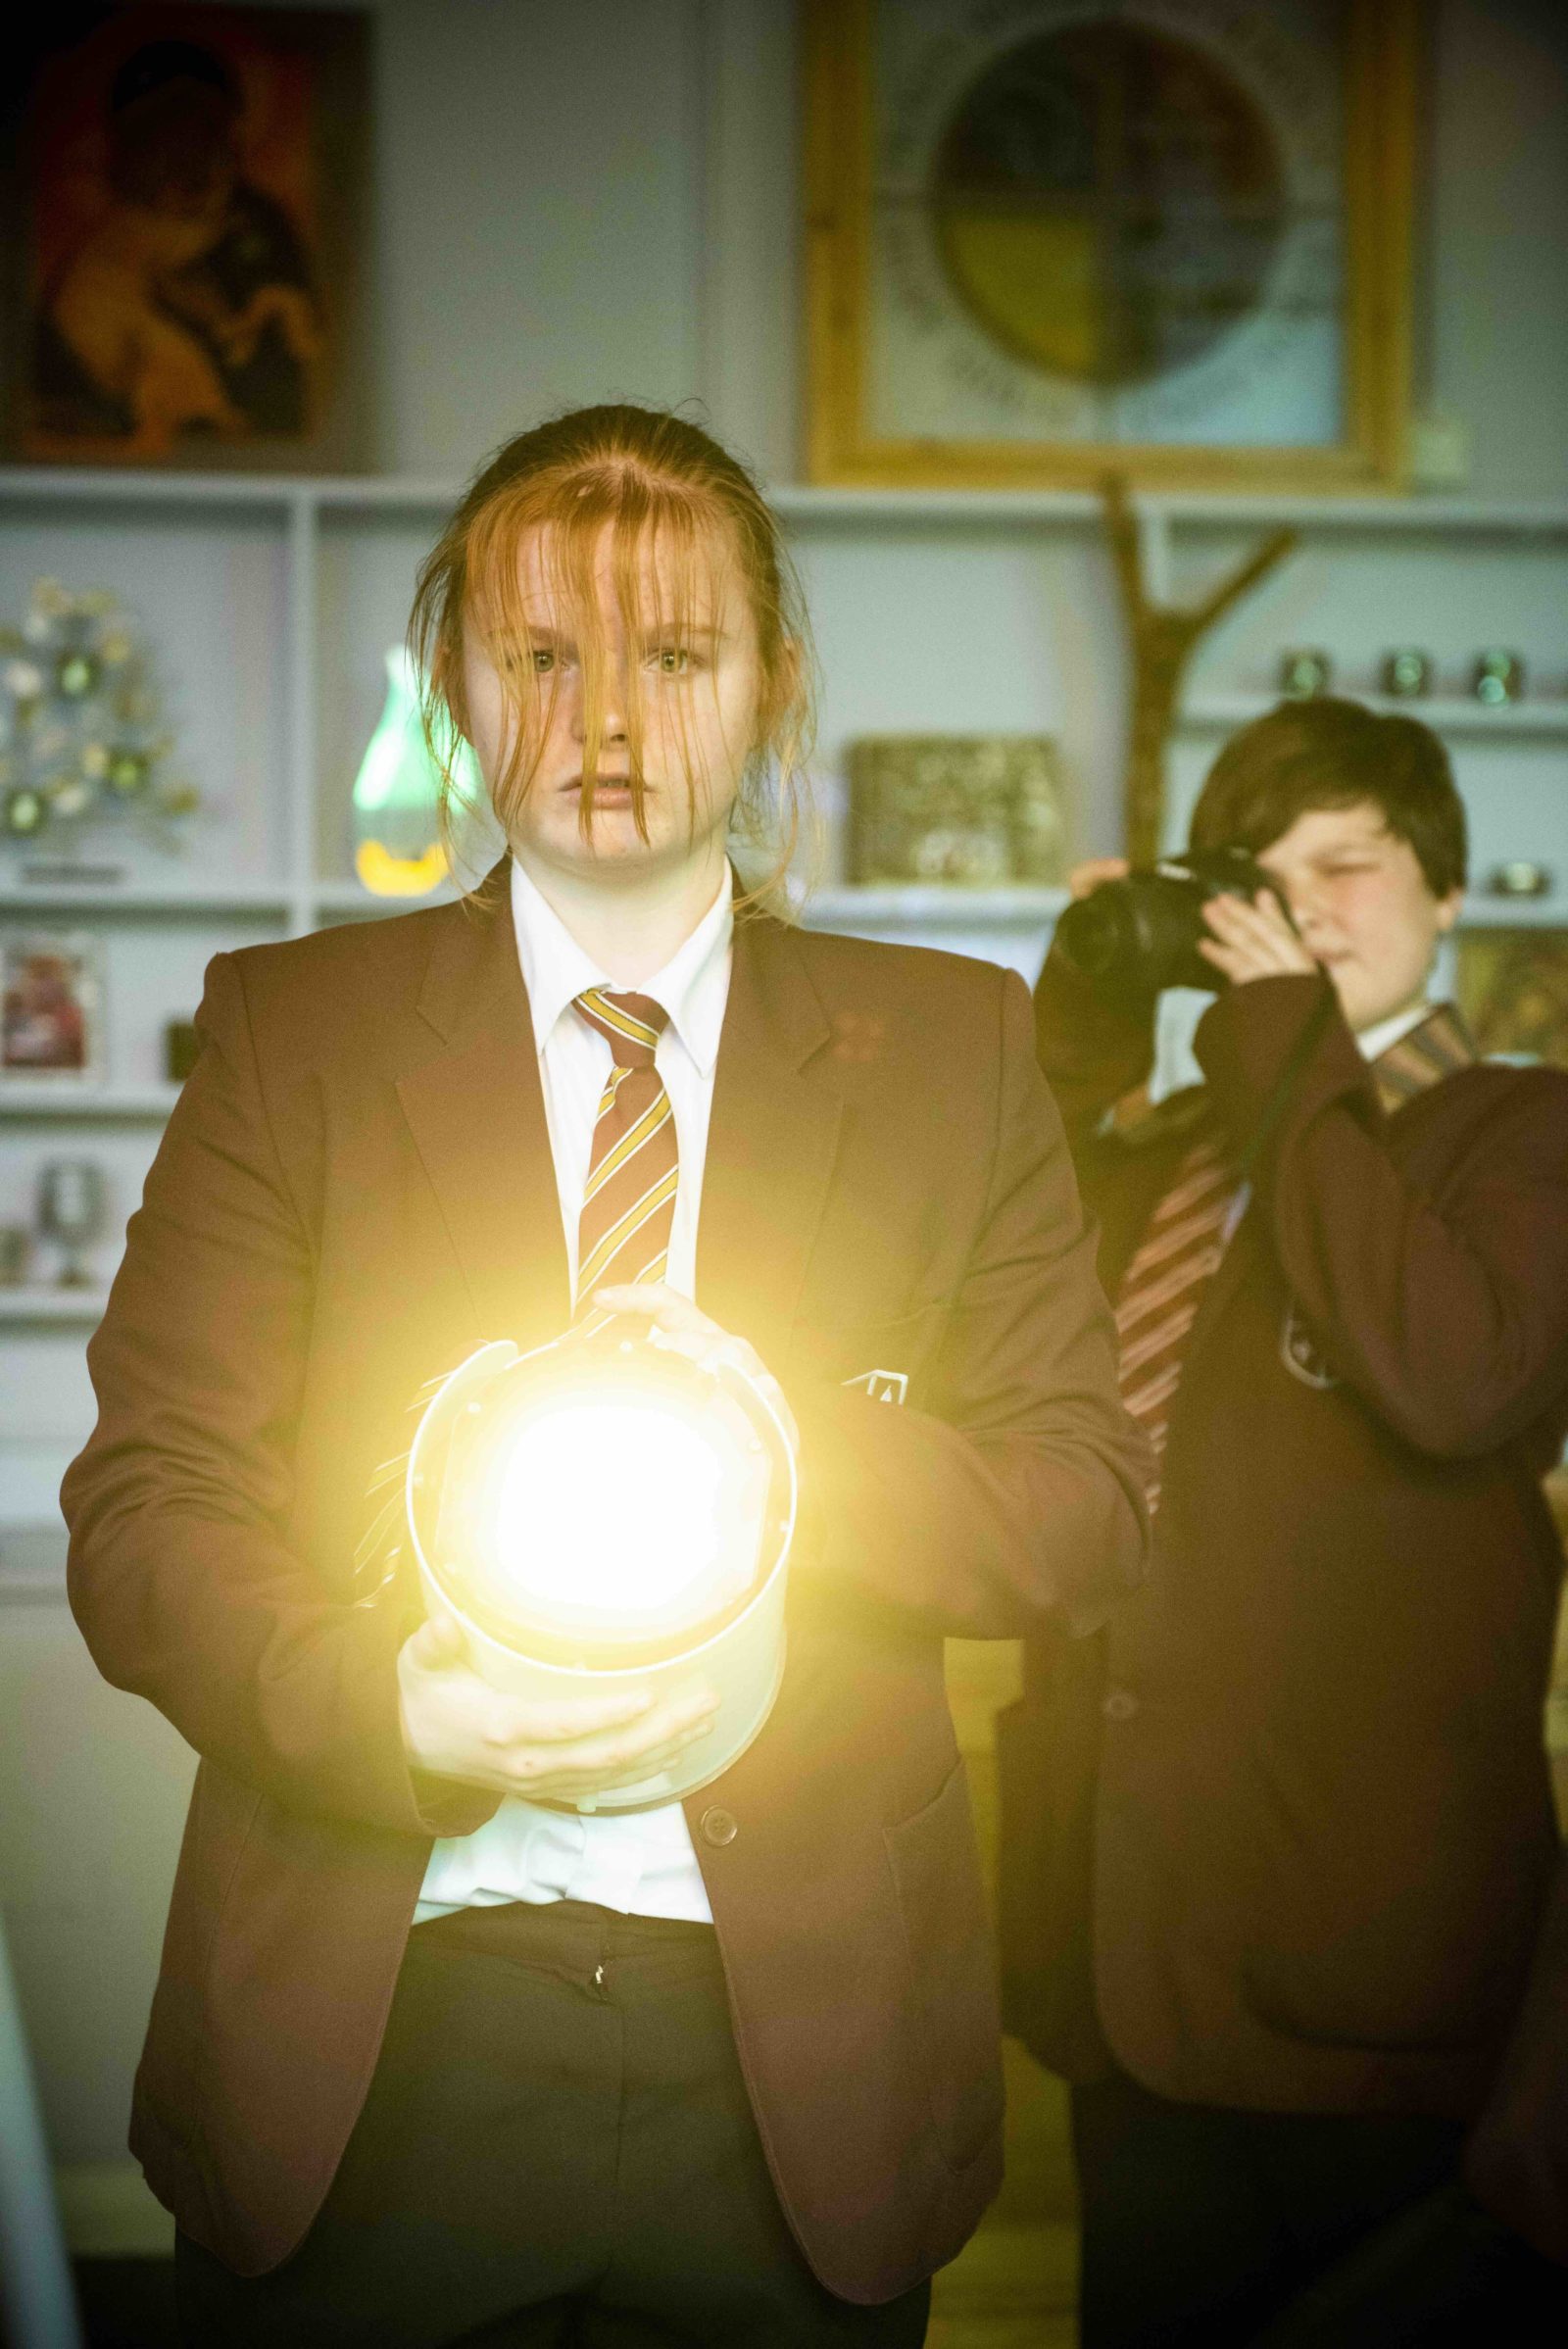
x,y
1047,239
185,187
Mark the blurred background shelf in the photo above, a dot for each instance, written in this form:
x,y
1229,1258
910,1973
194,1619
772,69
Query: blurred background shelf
x,y
66,1308
1447,713
121,1104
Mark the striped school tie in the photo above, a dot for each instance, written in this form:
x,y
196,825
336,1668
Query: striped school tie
x,y
628,1207
1163,1287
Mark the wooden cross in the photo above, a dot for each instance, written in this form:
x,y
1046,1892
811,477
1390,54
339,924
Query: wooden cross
x,y
1163,639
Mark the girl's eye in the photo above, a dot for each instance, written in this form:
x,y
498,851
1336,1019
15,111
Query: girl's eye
x,y
542,662
672,660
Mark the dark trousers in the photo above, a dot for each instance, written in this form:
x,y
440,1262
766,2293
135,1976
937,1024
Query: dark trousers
x,y
1201,2225
556,2147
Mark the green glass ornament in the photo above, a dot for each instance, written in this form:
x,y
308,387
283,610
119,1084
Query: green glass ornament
x,y
398,848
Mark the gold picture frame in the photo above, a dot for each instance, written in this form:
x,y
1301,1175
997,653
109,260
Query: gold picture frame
x,y
917,240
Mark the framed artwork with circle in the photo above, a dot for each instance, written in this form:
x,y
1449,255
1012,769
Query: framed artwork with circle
x,y
1050,238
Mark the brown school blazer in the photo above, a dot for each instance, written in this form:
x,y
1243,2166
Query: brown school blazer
x,y
1281,1833
355,1189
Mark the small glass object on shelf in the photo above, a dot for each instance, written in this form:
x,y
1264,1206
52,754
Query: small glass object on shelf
x,y
1519,877
70,1212
1498,678
1305,673
972,810
16,1254
1406,673
80,734
399,849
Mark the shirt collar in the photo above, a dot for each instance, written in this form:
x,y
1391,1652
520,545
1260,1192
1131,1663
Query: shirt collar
x,y
693,987
1372,1042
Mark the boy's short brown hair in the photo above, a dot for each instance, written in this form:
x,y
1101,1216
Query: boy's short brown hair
x,y
1331,753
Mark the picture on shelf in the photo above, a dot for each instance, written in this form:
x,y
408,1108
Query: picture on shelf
x,y
972,810
1513,991
51,1009
189,185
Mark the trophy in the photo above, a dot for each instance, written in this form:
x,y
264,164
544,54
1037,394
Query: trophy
x,y
71,1211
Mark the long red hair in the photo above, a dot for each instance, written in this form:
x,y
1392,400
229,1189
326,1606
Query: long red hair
x,y
673,505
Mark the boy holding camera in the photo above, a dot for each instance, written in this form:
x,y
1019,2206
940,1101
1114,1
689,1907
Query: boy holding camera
x,y
1275,1843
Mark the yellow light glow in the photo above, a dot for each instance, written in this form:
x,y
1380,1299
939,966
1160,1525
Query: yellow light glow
x,y
613,1506
389,877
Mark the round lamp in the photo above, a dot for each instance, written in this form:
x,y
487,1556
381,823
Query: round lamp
x,y
606,1510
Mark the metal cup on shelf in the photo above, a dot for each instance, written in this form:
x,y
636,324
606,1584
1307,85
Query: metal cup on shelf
x,y
1306,672
1406,673
1519,877
1498,677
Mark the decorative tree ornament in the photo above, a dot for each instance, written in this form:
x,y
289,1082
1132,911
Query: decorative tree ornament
x,y
79,721
25,812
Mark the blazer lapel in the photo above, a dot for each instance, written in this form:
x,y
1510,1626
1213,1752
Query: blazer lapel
x,y
771,1142
477,1116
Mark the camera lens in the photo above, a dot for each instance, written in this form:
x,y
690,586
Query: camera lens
x,y
1098,935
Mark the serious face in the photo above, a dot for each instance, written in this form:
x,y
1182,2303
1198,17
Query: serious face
x,y
1363,906
657,687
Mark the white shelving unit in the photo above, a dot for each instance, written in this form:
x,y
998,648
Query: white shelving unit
x,y
271,601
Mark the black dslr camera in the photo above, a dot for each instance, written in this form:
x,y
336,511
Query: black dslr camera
x,y
1129,939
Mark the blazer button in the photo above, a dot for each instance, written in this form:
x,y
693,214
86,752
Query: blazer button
x,y
719,1826
1120,1705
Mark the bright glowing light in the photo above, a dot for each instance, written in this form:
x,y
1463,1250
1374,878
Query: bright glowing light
x,y
613,1506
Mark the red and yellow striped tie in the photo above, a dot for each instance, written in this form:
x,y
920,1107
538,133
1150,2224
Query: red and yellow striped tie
x,y
1163,1287
628,1207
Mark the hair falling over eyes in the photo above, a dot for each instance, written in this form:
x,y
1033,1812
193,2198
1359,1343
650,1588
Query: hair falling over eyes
x,y
685,527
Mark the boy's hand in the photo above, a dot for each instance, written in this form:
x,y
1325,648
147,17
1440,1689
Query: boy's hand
x,y
1252,940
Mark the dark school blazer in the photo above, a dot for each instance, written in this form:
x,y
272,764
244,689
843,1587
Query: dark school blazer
x,y
1278,1835
355,1189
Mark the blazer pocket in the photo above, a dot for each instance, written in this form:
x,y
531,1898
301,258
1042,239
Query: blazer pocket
x,y
954,2014
903,1344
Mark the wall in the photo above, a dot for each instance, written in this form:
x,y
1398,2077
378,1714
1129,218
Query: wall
x,y
551,231
596,198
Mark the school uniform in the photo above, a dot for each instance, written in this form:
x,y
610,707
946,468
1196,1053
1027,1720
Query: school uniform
x,y
561,2094
1276,1841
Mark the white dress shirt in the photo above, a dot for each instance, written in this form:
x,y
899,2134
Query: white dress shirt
x,y
640,1862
